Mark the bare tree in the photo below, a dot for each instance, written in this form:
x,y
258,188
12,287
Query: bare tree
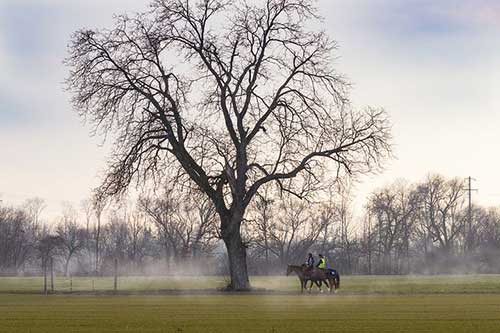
x,y
231,95
443,217
115,239
87,207
34,208
137,225
186,222
47,247
196,225
72,237
327,240
99,204
487,240
394,209
262,210
368,242
161,211
296,231
17,239
344,217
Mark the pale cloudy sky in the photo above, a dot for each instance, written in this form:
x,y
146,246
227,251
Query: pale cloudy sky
x,y
434,65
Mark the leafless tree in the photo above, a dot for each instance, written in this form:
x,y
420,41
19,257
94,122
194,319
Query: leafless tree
x,y
394,209
99,205
17,239
262,214
161,211
443,217
34,208
72,237
368,242
196,227
345,218
296,230
187,222
87,208
137,225
48,246
230,95
487,237
328,236
115,238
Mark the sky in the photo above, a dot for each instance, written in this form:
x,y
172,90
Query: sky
x,y
433,65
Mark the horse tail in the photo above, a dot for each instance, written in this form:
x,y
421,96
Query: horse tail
x,y
337,277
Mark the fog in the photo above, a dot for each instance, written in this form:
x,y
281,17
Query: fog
x,y
406,228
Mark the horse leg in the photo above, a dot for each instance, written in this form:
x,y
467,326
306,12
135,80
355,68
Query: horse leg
x,y
319,283
332,284
326,283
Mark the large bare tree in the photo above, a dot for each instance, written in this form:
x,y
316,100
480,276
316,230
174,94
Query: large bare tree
x,y
230,95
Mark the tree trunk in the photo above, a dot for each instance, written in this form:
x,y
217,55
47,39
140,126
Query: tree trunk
x,y
44,264
98,235
66,266
236,251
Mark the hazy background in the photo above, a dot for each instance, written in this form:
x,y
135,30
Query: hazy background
x,y
433,65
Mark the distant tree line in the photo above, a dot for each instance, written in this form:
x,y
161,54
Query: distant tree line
x,y
405,228
159,234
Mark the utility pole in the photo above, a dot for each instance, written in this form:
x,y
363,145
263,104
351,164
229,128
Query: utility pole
x,y
469,189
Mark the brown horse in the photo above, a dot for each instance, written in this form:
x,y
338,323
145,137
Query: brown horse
x,y
315,275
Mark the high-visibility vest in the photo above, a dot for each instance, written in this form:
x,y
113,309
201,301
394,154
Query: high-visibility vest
x,y
322,263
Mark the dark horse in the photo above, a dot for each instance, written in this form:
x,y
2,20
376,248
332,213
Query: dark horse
x,y
315,275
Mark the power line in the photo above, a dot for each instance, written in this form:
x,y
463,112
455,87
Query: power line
x,y
469,190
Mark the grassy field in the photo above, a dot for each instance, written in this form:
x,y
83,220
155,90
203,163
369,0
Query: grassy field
x,y
249,313
444,284
364,304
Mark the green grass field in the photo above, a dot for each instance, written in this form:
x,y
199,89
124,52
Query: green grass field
x,y
364,304
443,284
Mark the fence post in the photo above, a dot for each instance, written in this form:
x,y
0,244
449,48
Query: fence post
x,y
115,285
70,283
51,274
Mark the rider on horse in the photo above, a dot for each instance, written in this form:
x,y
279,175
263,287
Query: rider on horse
x,y
322,265
310,262
322,262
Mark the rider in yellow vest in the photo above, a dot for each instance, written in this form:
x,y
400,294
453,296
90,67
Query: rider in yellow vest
x,y
322,265
322,262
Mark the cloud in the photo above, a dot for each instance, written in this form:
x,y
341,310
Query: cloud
x,y
479,13
45,149
421,18
434,67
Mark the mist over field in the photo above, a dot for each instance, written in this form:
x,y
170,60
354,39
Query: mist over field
x,y
422,228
